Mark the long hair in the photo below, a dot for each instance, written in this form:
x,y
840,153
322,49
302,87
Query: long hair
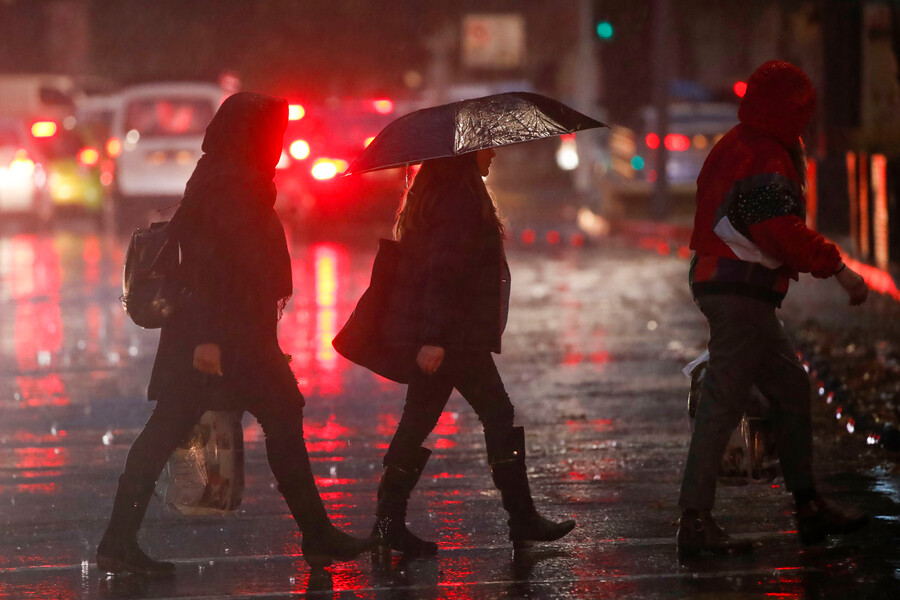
x,y
438,174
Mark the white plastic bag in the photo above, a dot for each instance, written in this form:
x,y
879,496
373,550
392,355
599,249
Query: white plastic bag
x,y
750,455
205,474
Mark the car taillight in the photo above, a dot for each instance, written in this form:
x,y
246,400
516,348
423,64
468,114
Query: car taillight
x,y
676,142
326,168
88,157
296,112
113,147
383,106
43,129
299,149
652,141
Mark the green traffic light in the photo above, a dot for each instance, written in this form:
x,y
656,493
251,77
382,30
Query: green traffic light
x,y
604,30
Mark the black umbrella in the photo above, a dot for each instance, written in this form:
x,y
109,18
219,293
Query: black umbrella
x,y
469,125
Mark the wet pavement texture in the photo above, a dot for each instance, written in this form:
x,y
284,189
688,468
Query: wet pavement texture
x,y
592,356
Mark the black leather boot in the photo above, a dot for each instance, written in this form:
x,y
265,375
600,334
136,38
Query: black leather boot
x,y
323,543
506,456
118,551
818,518
396,485
698,533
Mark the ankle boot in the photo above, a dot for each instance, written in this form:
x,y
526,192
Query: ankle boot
x,y
118,551
396,485
818,518
323,543
698,533
506,456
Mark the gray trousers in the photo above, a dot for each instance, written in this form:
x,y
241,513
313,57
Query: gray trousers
x,y
747,347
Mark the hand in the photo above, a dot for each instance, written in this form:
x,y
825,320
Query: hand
x,y
208,359
430,359
854,284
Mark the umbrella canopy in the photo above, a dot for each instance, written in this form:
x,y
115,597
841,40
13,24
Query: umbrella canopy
x,y
469,125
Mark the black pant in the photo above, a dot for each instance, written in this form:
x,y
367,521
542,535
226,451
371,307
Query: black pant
x,y
475,375
171,423
747,347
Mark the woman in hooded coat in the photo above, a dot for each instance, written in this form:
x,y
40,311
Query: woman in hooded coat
x,y
219,350
750,239
446,315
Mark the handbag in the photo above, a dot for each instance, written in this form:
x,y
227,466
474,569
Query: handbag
x,y
360,339
149,288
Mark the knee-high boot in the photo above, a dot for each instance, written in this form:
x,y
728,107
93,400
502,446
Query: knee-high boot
x,y
506,456
118,551
397,483
323,543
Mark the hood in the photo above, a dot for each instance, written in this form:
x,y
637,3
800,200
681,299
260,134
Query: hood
x,y
248,129
780,100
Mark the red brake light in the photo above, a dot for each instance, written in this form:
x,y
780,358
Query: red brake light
x,y
652,141
43,129
740,88
326,168
383,106
88,157
299,149
113,147
296,112
677,142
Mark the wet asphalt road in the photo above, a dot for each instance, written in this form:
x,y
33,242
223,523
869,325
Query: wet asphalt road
x,y
592,356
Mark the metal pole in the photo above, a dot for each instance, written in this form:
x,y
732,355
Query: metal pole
x,y
586,90
661,71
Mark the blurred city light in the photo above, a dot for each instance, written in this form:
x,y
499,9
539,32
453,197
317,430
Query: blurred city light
x,y
88,156
296,112
383,106
605,30
299,149
43,129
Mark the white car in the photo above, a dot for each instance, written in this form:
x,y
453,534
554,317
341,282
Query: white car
x,y
23,179
156,136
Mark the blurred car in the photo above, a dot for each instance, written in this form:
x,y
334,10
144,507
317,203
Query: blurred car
x,y
321,141
23,179
156,136
694,127
73,161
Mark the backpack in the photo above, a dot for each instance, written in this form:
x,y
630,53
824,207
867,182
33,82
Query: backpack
x,y
149,288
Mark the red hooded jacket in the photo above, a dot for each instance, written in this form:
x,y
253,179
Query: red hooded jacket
x,y
750,235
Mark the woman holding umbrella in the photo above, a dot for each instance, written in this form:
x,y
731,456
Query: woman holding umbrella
x,y
449,306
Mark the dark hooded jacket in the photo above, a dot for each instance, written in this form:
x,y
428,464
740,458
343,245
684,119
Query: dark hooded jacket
x,y
750,235
235,265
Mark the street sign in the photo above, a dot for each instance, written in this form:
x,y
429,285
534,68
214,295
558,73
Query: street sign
x,y
493,41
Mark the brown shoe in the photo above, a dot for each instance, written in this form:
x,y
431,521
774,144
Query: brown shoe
x,y
818,518
698,533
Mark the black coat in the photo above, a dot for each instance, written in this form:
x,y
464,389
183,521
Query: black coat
x,y
451,282
235,267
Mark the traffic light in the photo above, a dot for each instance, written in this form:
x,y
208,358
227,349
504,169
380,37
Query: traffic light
x,y
604,30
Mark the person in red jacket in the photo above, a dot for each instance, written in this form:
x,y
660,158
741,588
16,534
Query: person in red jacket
x,y
750,239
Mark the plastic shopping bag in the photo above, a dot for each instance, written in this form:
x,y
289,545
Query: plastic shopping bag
x,y
205,474
750,455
